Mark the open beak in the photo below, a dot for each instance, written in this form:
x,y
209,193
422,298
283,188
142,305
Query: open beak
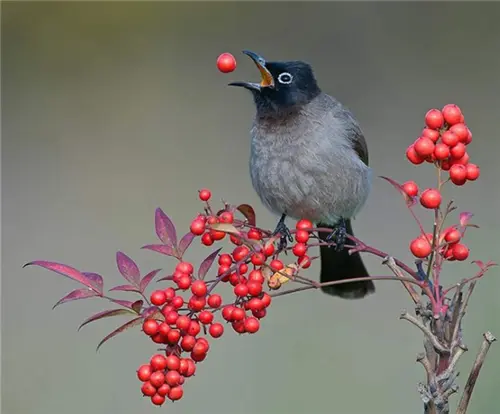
x,y
267,80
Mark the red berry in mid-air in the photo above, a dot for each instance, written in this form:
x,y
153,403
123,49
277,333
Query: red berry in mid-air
x,y
205,195
226,63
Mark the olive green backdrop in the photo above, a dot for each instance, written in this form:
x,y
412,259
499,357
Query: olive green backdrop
x,y
113,109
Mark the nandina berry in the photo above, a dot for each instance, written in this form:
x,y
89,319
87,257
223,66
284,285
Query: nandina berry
x,y
227,312
207,239
420,248
159,339
206,317
452,114
223,269
197,303
148,389
212,220
410,188
472,172
197,227
173,336
158,297
183,322
144,372
194,328
166,309
214,301
225,260
172,362
463,161
304,225
200,348
205,194
171,317
254,288
238,326
226,217
460,251
240,252
236,240
434,119
226,62
452,235
172,378
158,399
468,140
412,156
242,268
458,174
163,390
191,368
304,261
184,282
259,314
301,236
269,249
176,393
217,235
158,362
170,293
448,254
188,342
216,330
252,324
255,304
430,133
240,290
177,302
199,288
235,278
150,327
254,234
441,151
461,131
177,275
449,138
238,314
258,259
157,379
430,198
256,276
185,267
424,147
299,249
164,329
458,151
266,299
276,265
445,165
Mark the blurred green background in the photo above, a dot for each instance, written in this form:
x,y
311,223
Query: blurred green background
x,y
113,109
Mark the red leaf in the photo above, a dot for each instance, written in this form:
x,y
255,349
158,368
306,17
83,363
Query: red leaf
x,y
410,201
77,294
125,303
105,314
96,279
65,270
207,264
152,312
125,288
465,218
185,242
128,268
161,248
123,328
249,213
146,280
165,229
137,306
169,277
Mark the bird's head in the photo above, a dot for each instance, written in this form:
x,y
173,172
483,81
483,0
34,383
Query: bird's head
x,y
283,86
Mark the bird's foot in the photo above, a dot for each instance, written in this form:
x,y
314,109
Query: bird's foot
x,y
284,232
338,235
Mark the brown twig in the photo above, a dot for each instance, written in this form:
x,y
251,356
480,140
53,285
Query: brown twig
x,y
439,347
391,264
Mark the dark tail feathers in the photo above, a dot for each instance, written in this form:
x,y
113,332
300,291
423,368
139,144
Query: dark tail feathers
x,y
340,265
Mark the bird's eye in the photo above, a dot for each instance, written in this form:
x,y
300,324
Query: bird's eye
x,y
285,78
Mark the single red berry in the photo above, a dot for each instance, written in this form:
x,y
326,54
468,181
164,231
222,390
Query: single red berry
x,y
226,63
173,362
157,379
255,304
212,220
445,165
183,322
158,339
463,161
158,399
241,290
150,327
185,267
163,390
238,326
452,114
172,378
452,235
158,297
197,303
201,346
207,239
300,249
204,194
217,235
206,317
188,342
430,198
144,372
266,300
235,240
458,151
410,188
258,259
256,276
176,393
170,293
441,151
240,252
252,324
242,268
276,265
223,269
234,279
226,217
177,275
216,330
171,317
461,131
424,147
434,119
163,329
458,174
148,389
420,248
472,172
449,138
431,133
177,302
158,362
238,314
199,288
227,312
460,251
412,156
304,225
259,314
197,227
214,301
304,261
254,288
184,282
173,336
301,236
268,249
468,140
225,260
194,328
254,234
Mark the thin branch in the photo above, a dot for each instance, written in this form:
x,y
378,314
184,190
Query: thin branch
x,y
431,378
478,363
426,331
391,264
455,340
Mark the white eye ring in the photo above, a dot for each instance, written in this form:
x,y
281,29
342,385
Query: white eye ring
x,y
288,78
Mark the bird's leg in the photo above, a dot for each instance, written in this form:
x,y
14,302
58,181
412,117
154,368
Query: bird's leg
x,y
284,231
338,235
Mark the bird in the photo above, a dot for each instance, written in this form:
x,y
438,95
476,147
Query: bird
x,y
309,160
